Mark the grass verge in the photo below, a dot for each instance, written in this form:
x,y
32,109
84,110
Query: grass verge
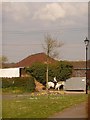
x,y
43,106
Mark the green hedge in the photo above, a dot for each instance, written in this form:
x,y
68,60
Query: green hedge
x,y
62,70
24,83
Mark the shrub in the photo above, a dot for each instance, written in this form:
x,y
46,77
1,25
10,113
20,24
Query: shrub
x,y
24,83
62,70
38,71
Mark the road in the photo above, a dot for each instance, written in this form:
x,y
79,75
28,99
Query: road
x,y
76,111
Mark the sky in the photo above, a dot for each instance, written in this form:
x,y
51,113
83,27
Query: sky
x,y
25,24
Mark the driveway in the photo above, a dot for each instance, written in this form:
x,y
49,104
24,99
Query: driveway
x,y
76,111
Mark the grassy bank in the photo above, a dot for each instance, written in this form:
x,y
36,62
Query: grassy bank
x,y
43,106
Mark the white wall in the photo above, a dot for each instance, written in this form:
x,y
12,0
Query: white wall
x,y
10,72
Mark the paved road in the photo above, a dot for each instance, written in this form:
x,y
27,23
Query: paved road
x,y
77,111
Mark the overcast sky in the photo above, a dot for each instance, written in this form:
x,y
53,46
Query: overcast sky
x,y
25,24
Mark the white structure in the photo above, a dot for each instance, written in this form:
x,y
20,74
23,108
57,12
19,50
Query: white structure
x,y
9,72
75,83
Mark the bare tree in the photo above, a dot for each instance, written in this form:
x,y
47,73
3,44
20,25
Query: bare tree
x,y
3,59
51,45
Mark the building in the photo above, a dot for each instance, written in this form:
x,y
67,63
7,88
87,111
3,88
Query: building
x,y
10,72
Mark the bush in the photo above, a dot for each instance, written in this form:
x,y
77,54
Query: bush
x,y
38,71
62,70
24,83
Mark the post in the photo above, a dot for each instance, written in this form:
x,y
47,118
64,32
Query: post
x,y
86,71
86,43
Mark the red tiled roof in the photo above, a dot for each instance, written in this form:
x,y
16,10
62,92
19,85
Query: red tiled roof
x,y
39,57
78,64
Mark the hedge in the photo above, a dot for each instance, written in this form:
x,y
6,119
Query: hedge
x,y
24,83
62,70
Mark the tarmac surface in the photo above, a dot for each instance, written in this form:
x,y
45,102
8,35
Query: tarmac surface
x,y
76,111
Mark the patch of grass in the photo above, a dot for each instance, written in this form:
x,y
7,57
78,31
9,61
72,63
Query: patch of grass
x,y
14,90
38,106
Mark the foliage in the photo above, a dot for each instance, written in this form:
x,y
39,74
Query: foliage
x,y
3,59
31,85
38,71
26,84
62,70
